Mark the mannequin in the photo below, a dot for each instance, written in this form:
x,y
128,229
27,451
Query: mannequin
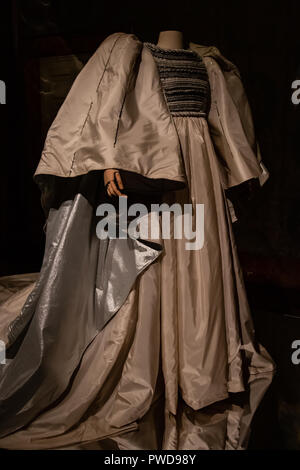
x,y
171,39
160,350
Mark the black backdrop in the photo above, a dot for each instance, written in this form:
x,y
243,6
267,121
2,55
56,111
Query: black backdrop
x,y
262,39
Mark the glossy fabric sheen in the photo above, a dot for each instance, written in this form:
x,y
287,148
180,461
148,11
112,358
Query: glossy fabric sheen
x,y
116,116
176,367
83,282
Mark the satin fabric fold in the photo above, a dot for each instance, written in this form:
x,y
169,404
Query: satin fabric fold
x,y
83,282
207,330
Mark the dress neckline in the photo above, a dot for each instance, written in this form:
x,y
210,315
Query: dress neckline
x,y
165,49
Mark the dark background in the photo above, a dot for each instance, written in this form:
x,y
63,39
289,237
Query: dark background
x,y
262,39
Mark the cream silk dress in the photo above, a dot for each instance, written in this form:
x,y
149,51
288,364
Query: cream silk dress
x,y
174,363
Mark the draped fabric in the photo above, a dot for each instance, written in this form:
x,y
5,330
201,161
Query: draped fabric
x,y
176,367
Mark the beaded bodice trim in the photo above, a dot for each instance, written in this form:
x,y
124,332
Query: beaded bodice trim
x,y
184,80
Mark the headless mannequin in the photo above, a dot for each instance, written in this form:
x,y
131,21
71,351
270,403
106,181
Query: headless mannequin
x,y
170,39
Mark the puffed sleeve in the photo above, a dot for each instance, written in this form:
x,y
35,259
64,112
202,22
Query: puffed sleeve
x,y
232,129
64,134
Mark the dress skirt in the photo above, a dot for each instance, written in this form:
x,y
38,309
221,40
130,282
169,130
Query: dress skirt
x,y
134,344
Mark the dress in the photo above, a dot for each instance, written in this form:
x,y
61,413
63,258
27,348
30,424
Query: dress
x,y
177,366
